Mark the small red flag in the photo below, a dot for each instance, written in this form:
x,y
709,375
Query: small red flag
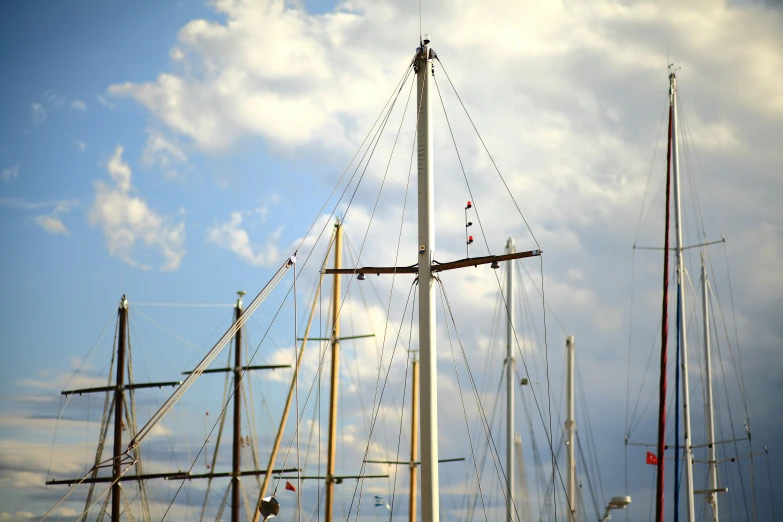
x,y
652,458
289,486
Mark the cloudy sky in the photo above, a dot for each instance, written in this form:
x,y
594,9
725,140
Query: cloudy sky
x,y
178,152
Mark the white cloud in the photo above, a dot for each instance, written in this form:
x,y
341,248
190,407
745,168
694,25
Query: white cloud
x,y
231,235
52,222
81,145
78,104
567,95
52,98
129,224
176,54
10,173
164,154
106,103
38,112
17,517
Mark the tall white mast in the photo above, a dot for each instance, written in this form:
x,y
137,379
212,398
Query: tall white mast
x,y
712,466
570,427
510,249
430,501
681,295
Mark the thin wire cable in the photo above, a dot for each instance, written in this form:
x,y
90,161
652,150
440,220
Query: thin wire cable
x,y
488,154
402,412
234,327
485,239
394,279
296,409
487,428
464,410
376,409
769,476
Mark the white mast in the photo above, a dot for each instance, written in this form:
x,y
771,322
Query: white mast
x,y
570,427
430,501
510,249
712,466
681,295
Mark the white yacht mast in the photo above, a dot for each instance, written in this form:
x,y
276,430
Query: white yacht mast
x,y
712,466
570,427
510,249
688,453
430,501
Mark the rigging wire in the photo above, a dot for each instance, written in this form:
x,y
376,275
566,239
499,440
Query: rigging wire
x,y
235,326
731,417
376,409
487,245
391,293
587,473
402,411
464,410
482,412
483,233
488,154
769,476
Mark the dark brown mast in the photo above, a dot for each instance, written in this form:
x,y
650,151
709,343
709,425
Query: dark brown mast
x,y
659,484
118,406
119,399
236,451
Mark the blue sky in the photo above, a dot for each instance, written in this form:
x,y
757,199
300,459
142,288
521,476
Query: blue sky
x,y
177,152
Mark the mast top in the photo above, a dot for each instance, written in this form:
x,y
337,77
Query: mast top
x,y
241,294
124,302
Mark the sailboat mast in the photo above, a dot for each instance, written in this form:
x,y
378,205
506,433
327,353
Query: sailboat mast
x,y
236,451
659,480
119,401
414,436
682,328
510,249
712,466
570,427
430,501
333,380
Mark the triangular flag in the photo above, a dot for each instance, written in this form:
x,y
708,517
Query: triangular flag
x,y
652,458
289,486
379,502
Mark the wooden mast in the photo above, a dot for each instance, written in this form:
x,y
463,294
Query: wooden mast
x,y
333,381
236,452
119,400
414,437
290,397
510,382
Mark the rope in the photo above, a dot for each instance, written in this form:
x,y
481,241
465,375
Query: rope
x,y
217,441
187,305
215,351
197,371
388,308
487,428
464,410
402,413
488,154
769,476
485,240
187,343
377,407
296,410
130,418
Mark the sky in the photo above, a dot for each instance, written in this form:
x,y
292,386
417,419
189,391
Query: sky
x,y
178,152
